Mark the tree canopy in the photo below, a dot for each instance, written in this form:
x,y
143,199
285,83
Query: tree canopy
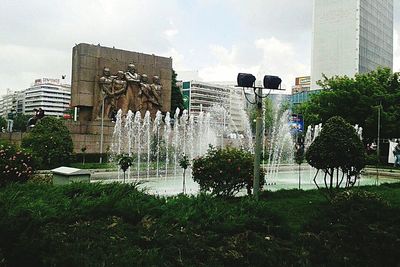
x,y
357,100
50,143
176,95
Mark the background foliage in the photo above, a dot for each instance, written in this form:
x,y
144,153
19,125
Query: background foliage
x,y
357,101
50,143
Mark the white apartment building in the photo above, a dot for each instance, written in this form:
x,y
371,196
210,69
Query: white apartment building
x,y
50,95
8,103
351,36
206,97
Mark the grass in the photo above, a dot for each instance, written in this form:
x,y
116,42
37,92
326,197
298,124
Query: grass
x,y
91,165
115,224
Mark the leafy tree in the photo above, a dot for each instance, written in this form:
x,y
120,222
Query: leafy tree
x,y
337,151
50,143
357,100
3,123
225,172
124,162
20,122
176,94
184,163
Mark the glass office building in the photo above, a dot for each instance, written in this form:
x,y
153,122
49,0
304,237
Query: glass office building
x,y
351,36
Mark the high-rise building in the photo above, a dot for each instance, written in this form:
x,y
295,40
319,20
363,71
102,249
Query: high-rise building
x,y
351,36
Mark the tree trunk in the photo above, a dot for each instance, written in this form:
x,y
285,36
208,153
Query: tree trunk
x,y
184,181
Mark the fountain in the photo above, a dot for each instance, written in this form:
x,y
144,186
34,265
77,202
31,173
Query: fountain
x,y
157,145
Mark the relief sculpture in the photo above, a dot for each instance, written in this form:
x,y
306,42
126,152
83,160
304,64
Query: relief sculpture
x,y
129,91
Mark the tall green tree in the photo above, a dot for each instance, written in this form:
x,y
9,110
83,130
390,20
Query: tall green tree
x,y
176,94
50,143
357,100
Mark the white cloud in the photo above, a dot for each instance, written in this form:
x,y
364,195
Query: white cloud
x,y
276,58
178,59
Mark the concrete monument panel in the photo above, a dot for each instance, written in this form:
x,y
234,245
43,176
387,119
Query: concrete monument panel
x,y
120,79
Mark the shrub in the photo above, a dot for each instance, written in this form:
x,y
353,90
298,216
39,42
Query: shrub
x,y
225,171
359,228
15,165
50,143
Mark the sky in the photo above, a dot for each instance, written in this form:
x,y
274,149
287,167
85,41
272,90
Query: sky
x,y
216,38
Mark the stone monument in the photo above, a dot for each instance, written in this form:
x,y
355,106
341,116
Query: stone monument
x,y
118,79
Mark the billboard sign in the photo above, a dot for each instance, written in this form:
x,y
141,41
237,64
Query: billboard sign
x,y
296,123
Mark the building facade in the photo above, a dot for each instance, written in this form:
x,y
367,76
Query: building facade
x,y
8,103
302,84
351,36
50,95
206,97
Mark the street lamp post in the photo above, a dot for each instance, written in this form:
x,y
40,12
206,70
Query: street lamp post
x,y
257,149
246,80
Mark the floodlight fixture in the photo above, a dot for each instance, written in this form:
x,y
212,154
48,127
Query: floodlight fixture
x,y
246,80
272,82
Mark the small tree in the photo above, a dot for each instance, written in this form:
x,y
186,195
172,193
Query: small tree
x,y
83,150
337,151
225,172
124,162
184,163
50,143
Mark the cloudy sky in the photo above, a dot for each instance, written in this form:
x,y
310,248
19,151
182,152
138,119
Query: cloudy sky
x,y
217,38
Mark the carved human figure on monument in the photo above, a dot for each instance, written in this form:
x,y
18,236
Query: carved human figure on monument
x,y
133,83
156,91
106,87
145,95
119,87
131,76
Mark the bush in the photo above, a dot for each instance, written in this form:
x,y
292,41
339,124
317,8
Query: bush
x,y
225,171
358,229
15,165
50,143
